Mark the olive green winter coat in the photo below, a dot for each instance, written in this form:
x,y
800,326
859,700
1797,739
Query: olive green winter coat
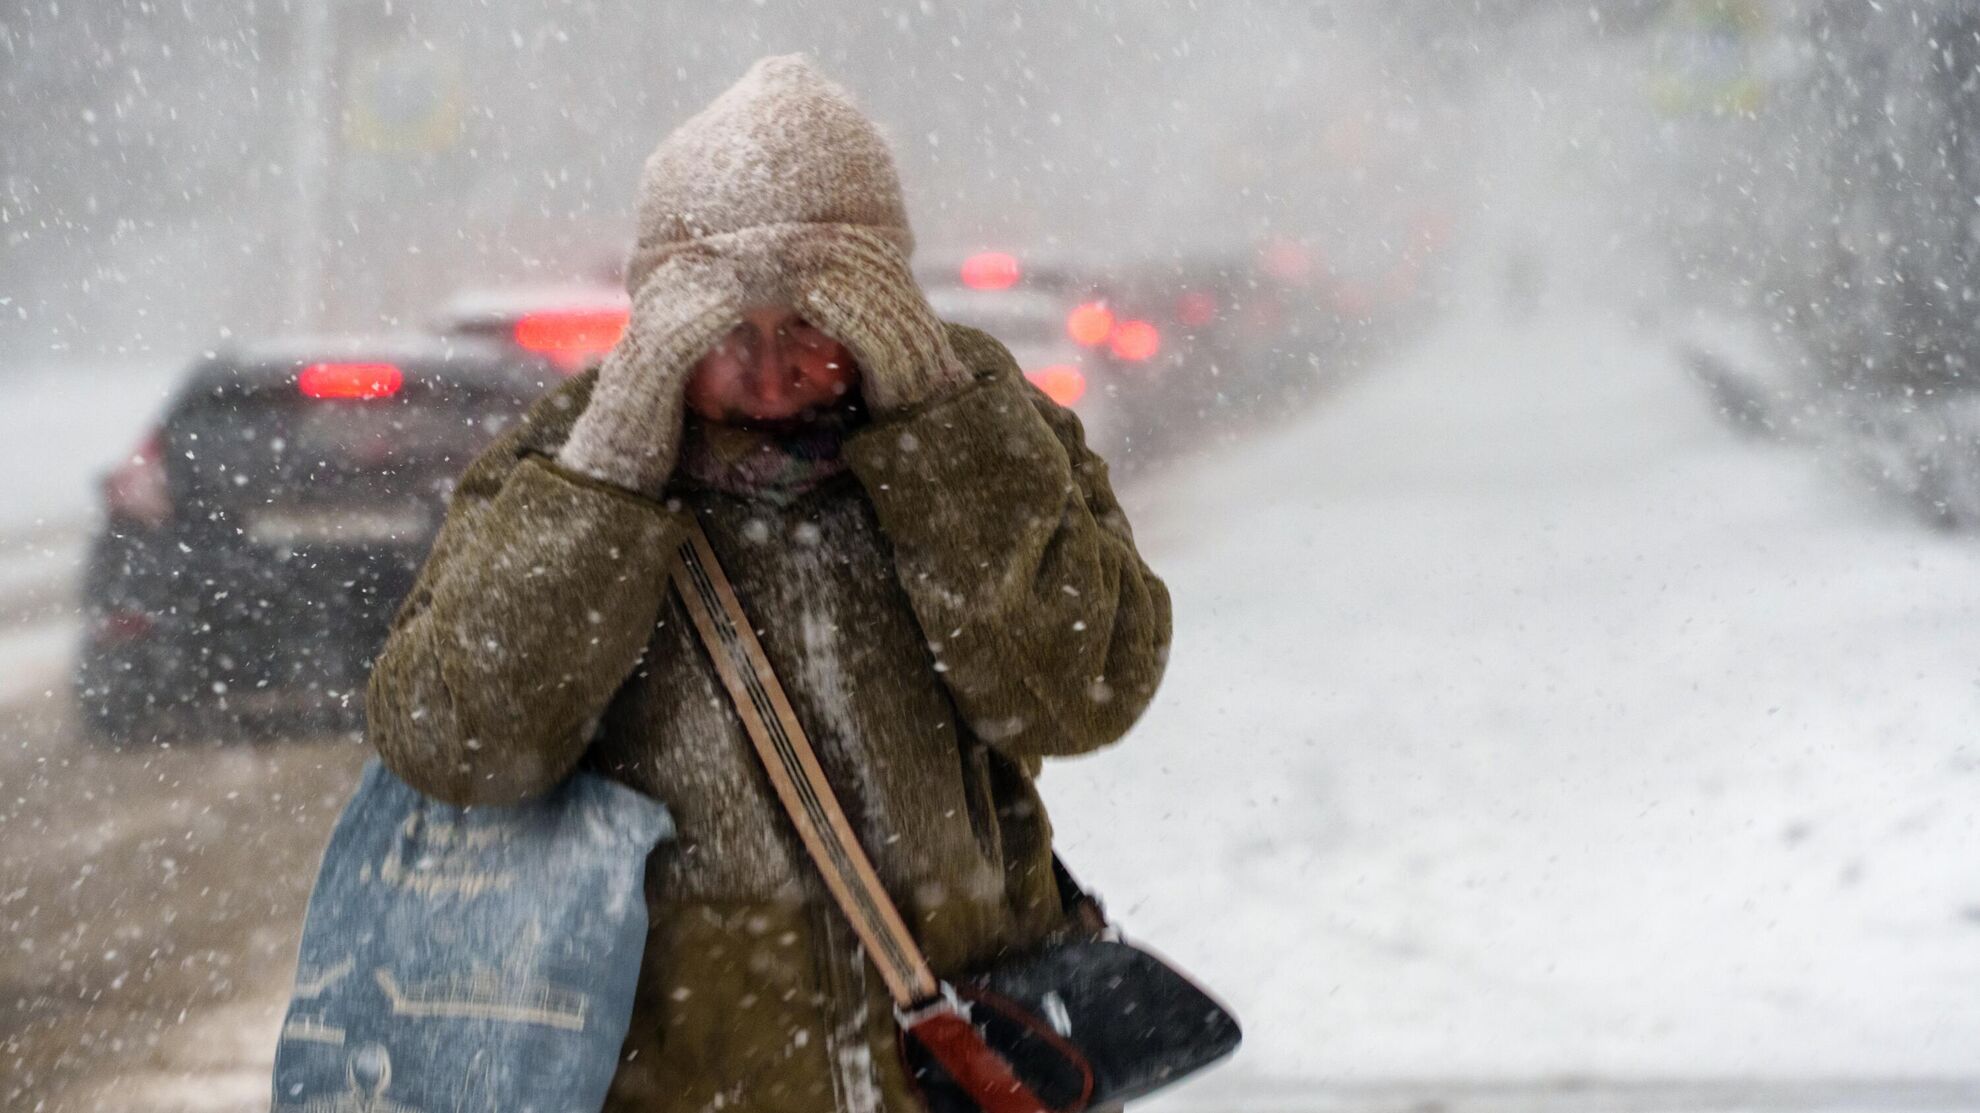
x,y
964,600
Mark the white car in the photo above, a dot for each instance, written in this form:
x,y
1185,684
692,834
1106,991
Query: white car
x,y
570,326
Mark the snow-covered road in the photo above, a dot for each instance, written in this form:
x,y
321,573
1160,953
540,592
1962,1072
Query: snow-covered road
x,y
1530,742
1525,723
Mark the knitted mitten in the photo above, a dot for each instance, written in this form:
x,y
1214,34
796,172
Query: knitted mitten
x,y
854,283
758,257
630,433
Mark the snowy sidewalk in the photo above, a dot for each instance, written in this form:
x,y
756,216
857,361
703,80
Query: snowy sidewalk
x,y
1525,724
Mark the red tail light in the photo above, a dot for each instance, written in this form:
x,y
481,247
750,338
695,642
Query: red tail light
x,y
1061,382
1288,262
571,338
135,491
1090,324
361,381
121,626
1136,341
991,270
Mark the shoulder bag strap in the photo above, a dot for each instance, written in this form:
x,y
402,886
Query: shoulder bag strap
x,y
928,1010
796,775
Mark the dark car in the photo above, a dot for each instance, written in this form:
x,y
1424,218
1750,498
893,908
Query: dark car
x,y
256,544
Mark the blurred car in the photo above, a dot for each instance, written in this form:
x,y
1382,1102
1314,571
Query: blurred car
x,y
1194,344
570,326
1025,305
1168,339
1149,353
256,543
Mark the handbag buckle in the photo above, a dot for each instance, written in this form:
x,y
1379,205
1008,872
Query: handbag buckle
x,y
945,1002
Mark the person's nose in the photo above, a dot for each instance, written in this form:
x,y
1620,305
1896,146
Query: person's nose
x,y
770,361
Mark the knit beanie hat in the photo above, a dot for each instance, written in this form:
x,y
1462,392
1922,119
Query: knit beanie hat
x,y
784,146
780,192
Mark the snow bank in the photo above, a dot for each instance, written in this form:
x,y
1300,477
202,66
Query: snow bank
x,y
33,661
1524,722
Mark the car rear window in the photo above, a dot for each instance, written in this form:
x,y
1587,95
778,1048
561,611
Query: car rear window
x,y
261,442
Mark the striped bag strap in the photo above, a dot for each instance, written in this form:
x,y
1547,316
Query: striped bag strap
x,y
794,771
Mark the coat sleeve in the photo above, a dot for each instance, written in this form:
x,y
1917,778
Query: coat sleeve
x,y
537,599
1048,628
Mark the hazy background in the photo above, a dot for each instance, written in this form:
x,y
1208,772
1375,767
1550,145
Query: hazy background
x,y
165,164
1575,579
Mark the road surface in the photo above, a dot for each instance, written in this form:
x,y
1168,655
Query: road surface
x,y
1537,744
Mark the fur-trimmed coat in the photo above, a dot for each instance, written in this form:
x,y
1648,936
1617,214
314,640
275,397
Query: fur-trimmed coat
x,y
963,601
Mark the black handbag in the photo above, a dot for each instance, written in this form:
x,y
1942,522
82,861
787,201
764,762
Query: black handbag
x,y
1085,1023
1089,1023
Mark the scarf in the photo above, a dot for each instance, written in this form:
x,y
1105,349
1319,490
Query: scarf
x,y
778,465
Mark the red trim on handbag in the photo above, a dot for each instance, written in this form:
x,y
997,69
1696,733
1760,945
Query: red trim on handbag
x,y
978,995
932,1012
981,1072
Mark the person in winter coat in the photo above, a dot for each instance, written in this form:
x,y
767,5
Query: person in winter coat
x,y
939,571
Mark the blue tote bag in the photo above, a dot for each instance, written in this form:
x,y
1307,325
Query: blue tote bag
x,y
470,959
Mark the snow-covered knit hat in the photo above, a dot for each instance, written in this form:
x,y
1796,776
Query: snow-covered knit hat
x,y
783,146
